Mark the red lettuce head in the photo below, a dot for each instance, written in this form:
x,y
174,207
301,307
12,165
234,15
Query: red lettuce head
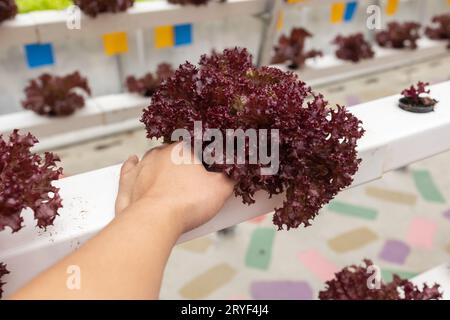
x,y
56,96
399,35
149,83
8,10
95,7
352,283
291,49
353,48
26,182
226,91
441,28
414,93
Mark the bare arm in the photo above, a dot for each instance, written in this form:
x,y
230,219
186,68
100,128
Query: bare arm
x,y
157,202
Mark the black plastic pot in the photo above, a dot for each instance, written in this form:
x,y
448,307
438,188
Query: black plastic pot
x,y
425,107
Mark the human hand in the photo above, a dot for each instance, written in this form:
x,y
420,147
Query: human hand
x,y
192,194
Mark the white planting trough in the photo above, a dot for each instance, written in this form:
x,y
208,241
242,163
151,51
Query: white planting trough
x,y
328,69
393,139
101,116
51,25
439,275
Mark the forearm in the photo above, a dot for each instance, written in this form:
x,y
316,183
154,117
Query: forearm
x,y
125,261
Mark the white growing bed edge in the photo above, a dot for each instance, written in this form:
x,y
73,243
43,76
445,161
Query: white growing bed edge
x,y
393,139
439,275
100,117
328,69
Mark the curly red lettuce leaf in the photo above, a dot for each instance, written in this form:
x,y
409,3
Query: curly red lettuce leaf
x,y
399,35
95,7
291,49
226,91
353,48
55,96
441,28
3,272
351,283
8,10
149,83
26,182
